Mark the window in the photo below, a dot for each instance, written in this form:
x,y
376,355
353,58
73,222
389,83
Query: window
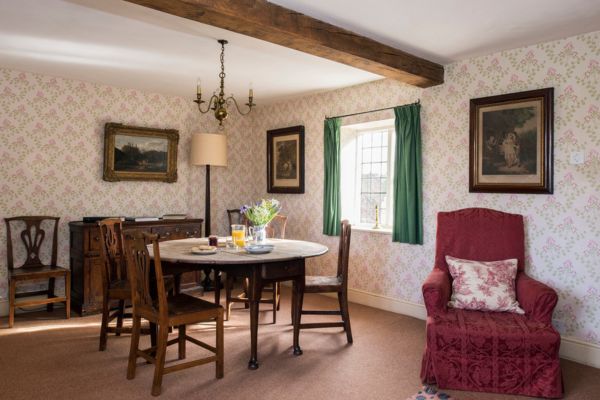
x,y
367,157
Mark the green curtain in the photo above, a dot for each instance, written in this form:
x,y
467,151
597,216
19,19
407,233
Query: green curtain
x,y
408,198
332,201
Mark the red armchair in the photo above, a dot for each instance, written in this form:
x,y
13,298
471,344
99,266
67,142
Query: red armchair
x,y
497,352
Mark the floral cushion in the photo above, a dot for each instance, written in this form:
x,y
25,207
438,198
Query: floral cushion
x,y
483,285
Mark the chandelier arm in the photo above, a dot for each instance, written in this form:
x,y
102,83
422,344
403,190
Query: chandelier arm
x,y
249,105
213,99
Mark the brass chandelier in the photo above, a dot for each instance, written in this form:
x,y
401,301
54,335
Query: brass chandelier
x,y
219,103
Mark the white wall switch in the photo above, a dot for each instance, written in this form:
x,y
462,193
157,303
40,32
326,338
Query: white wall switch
x,y
577,158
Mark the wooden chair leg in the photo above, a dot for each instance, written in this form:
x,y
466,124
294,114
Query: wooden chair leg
x,y
228,288
120,317
104,323
278,297
68,294
159,366
245,286
220,347
177,283
343,300
133,349
274,302
51,283
181,342
11,302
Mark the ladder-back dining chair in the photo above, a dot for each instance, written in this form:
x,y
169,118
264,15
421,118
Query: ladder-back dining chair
x,y
115,286
33,269
275,229
150,301
332,284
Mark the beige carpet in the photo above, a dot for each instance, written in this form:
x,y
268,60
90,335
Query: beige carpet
x,y
44,357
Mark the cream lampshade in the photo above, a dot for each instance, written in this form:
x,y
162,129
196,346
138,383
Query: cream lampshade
x,y
209,149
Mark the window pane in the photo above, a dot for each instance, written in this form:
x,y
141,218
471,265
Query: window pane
x,y
384,154
366,170
366,155
377,139
365,185
376,154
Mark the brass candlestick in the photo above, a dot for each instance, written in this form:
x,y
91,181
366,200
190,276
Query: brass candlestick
x,y
376,226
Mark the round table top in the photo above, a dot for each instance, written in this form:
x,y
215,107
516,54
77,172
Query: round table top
x,y
284,249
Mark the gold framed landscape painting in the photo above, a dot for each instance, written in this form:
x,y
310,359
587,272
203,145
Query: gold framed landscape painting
x,y
511,147
139,154
285,160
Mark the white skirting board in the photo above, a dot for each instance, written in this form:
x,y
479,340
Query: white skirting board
x,y
570,348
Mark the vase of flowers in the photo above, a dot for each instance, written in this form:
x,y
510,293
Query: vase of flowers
x,y
259,215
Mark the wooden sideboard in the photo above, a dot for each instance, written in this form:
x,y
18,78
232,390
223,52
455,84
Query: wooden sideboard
x,y
86,260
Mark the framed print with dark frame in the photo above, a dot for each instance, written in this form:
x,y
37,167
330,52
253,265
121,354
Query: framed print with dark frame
x,y
285,160
511,149
139,154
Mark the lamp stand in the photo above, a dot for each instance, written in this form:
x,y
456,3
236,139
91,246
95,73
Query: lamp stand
x,y
207,283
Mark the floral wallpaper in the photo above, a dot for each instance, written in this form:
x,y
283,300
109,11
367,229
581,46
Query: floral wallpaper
x,y
51,143
52,155
562,229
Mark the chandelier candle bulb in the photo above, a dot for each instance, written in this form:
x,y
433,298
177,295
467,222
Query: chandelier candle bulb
x,y
199,88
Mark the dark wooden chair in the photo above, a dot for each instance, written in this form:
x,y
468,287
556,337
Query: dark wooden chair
x,y
235,217
150,302
34,269
332,284
115,286
275,229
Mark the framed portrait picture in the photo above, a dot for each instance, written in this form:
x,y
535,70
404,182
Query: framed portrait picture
x,y
285,160
140,154
511,147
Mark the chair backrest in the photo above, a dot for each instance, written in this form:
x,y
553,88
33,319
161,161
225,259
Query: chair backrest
x,y
344,251
113,257
32,236
276,228
139,270
235,217
479,234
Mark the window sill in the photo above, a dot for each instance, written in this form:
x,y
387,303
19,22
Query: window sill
x,y
381,231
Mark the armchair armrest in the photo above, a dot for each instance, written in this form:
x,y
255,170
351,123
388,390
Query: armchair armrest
x,y
537,299
436,291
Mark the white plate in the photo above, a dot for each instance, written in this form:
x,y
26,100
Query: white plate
x,y
259,248
204,250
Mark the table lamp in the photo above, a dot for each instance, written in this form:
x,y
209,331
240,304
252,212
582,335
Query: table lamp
x,y
208,149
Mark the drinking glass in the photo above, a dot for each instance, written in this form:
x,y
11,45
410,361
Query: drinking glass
x,y
238,234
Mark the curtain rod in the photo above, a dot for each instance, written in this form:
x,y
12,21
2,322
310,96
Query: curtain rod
x,y
371,111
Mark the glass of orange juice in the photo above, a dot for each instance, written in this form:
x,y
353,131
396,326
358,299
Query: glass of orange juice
x,y
238,235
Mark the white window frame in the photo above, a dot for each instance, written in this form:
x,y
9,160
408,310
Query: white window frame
x,y
351,161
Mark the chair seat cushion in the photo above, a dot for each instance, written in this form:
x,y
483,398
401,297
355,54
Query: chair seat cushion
x,y
322,283
42,271
181,304
493,351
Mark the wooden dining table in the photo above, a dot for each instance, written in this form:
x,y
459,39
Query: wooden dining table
x,y
285,263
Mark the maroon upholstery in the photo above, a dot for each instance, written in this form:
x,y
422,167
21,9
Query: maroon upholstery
x,y
489,351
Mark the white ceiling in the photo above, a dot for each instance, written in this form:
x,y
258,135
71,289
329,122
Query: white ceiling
x,y
122,44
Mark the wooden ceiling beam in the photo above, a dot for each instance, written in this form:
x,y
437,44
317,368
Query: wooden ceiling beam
x,y
270,22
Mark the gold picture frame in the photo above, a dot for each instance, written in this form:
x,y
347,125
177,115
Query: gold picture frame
x,y
133,153
511,149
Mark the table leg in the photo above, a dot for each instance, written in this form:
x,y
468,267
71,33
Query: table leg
x,y
217,286
254,295
297,299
